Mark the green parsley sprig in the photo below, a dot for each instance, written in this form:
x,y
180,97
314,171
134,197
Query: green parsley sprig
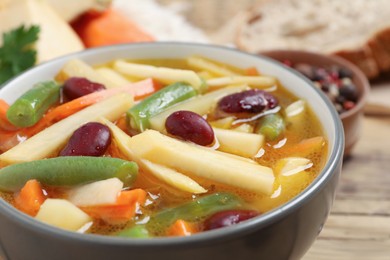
x,y
17,53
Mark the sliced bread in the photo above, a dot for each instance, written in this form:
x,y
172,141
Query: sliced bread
x,y
358,30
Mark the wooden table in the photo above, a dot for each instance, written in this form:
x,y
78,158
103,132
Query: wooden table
x,y
358,227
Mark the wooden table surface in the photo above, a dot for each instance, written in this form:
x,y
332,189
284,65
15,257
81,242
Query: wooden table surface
x,y
358,227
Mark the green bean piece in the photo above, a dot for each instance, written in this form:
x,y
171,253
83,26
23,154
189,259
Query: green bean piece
x,y
197,209
137,231
138,116
32,105
203,87
67,171
271,126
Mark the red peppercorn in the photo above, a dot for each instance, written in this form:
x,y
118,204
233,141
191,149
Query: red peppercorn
x,y
348,105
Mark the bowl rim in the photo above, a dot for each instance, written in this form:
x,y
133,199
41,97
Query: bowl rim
x,y
218,235
358,74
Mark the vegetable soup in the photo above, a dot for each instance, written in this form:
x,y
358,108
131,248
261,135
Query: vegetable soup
x,y
154,148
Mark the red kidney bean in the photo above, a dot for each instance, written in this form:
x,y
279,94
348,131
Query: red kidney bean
x,y
190,126
91,139
249,101
228,218
77,87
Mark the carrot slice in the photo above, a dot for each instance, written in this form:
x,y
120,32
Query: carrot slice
x,y
182,228
142,91
252,71
9,139
3,108
306,146
123,210
8,132
109,27
122,123
30,198
4,123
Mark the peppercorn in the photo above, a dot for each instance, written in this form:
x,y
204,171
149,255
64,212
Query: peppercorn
x,y
335,81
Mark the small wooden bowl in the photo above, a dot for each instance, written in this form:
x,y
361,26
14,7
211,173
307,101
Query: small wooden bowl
x,y
351,119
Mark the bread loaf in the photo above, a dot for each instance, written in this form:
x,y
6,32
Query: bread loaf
x,y
358,30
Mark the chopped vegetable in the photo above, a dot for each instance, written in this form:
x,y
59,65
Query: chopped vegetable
x,y
17,52
261,82
79,68
199,104
4,123
165,75
30,107
294,165
236,157
295,115
169,176
196,209
244,128
137,231
200,63
295,108
3,109
113,76
252,71
271,126
30,198
224,123
96,193
198,161
141,91
239,143
140,114
205,75
100,30
173,178
50,140
121,211
182,228
63,214
285,188
306,146
8,140
67,171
